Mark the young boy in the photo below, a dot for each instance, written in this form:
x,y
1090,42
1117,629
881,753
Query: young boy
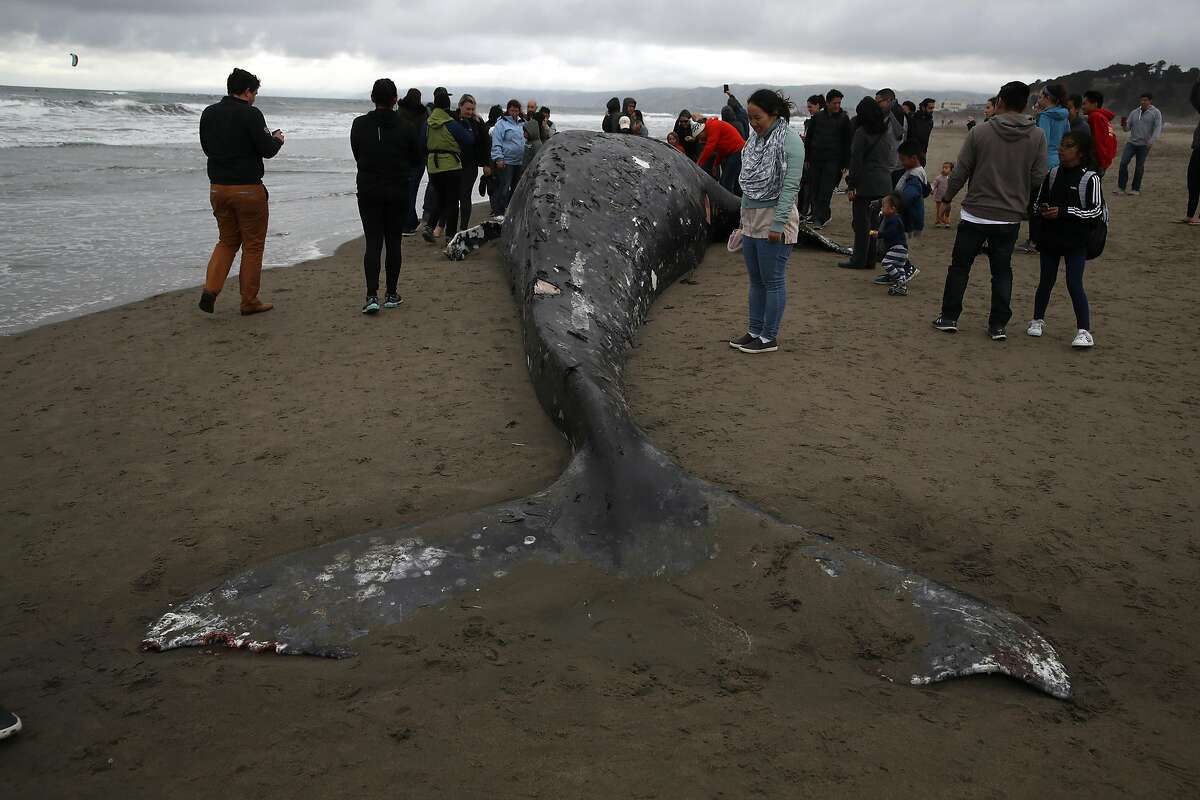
x,y
897,269
942,220
913,186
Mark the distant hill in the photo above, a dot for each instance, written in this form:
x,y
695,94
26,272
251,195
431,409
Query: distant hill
x,y
1122,84
670,100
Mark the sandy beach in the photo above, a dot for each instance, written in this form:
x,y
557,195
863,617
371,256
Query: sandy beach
x,y
151,450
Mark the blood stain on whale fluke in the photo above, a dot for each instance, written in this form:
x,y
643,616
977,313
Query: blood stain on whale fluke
x,y
598,226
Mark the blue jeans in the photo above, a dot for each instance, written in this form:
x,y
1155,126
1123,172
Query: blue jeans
x,y
504,181
766,263
1075,263
1138,151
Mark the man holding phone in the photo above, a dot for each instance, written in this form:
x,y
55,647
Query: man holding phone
x,y
236,139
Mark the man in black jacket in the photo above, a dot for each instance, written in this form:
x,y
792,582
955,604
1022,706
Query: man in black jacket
x,y
387,150
236,139
920,126
828,154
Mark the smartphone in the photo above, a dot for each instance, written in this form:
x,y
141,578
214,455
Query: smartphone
x,y
727,87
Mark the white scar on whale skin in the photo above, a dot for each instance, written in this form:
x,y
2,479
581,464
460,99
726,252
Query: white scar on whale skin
x,y
641,163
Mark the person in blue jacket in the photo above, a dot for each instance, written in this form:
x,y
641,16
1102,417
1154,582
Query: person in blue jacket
x,y
912,187
1053,119
508,152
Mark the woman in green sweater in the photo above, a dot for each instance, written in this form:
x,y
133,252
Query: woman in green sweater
x,y
772,163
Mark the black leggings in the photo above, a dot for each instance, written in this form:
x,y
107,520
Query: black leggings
x,y
383,222
1193,180
465,185
1075,262
445,184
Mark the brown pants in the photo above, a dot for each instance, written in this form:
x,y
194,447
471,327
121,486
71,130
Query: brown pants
x,y
241,213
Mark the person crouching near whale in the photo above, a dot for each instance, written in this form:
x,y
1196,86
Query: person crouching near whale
x,y
772,162
387,151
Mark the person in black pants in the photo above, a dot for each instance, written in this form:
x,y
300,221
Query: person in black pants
x,y
387,150
473,157
1193,173
827,150
869,178
999,163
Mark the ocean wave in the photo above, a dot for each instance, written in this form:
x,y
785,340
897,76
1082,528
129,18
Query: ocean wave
x,y
116,105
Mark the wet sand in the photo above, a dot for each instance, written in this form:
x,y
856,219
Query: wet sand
x,y
151,450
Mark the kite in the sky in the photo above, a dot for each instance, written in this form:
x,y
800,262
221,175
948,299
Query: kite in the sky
x,y
74,60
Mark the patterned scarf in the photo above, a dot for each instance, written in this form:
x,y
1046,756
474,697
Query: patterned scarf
x,y
764,163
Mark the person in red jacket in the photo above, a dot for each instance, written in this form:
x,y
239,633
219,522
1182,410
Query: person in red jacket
x,y
1100,122
722,149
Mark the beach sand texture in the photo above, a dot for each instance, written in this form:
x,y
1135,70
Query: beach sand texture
x,y
151,450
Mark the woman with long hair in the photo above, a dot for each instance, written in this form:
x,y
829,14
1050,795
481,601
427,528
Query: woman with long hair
x,y
772,162
869,177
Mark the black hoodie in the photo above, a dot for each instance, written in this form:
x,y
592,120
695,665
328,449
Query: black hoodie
x,y
387,150
235,138
612,120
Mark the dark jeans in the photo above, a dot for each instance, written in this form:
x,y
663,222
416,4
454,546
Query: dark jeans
x,y
445,185
1075,262
381,221
731,170
864,251
824,176
465,186
504,181
968,241
1193,182
411,220
1132,151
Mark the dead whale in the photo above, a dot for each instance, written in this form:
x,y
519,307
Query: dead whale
x,y
598,227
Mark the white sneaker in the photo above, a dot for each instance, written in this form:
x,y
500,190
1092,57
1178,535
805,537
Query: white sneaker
x,y
1136,192
1119,191
1082,339
1036,327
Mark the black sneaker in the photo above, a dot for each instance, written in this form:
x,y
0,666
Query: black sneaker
x,y
427,234
10,723
208,302
947,325
898,290
757,345
392,300
742,341
885,280
372,305
997,333
851,264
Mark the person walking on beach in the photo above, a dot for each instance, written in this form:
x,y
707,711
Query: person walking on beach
x,y
869,177
1000,163
385,149
1145,124
1069,204
508,152
830,133
413,113
235,137
772,161
1193,169
445,141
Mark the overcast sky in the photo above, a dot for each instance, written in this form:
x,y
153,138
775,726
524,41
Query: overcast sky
x,y
340,46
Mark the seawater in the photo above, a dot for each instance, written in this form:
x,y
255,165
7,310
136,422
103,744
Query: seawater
x,y
105,194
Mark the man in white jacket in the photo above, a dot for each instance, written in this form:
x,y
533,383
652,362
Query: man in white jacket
x,y
1145,124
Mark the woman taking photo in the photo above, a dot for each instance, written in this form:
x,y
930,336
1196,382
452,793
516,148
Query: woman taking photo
x,y
388,153
772,162
869,178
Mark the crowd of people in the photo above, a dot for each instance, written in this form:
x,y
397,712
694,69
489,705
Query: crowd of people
x,y
753,151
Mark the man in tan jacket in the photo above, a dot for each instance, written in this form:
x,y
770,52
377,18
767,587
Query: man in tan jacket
x,y
1002,161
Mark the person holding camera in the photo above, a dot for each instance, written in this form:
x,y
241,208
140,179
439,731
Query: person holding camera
x,y
235,137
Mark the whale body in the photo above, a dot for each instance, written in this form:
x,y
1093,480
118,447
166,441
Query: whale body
x,y
599,225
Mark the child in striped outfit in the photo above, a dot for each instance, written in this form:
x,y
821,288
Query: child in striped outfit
x,y
898,270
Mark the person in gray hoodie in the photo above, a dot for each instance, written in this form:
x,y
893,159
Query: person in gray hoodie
x,y
897,126
1145,124
1000,162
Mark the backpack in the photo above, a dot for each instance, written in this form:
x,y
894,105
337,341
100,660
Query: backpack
x,y
1098,231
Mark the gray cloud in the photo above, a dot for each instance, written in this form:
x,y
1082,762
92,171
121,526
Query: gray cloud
x,y
1021,37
